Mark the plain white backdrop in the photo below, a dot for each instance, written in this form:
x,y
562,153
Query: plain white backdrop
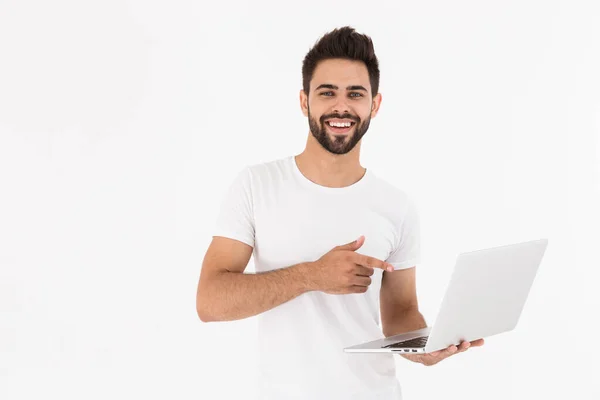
x,y
123,122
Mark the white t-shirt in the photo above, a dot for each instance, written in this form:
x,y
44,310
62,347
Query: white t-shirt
x,y
289,219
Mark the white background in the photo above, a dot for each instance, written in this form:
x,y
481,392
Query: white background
x,y
123,122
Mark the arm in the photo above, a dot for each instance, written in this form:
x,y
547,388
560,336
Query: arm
x,y
398,301
225,293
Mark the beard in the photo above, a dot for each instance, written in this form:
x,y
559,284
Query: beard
x,y
338,144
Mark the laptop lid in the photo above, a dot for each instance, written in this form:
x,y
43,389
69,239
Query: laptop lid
x,y
486,293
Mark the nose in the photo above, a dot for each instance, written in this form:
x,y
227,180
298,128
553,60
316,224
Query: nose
x,y
341,106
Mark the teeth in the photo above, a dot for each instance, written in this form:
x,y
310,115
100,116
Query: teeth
x,y
340,124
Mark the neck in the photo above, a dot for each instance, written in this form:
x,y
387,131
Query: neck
x,y
327,169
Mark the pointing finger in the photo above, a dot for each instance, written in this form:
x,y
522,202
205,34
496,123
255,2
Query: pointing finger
x,y
372,262
364,271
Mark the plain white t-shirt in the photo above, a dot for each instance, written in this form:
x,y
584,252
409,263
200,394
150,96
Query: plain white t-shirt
x,y
288,219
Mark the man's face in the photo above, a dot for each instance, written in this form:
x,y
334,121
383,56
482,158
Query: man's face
x,y
340,94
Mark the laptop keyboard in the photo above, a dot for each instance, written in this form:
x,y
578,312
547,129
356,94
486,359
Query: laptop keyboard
x,y
416,343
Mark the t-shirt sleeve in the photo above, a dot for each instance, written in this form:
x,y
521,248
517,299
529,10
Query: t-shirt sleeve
x,y
235,218
408,250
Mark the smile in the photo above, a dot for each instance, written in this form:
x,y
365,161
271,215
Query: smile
x,y
340,127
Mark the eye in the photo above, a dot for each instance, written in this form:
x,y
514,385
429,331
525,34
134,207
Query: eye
x,y
324,93
359,94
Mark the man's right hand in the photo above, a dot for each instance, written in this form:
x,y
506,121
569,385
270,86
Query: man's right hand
x,y
341,270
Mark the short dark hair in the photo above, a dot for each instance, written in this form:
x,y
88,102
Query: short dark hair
x,y
343,43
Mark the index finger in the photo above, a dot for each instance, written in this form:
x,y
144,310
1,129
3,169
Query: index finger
x,y
372,262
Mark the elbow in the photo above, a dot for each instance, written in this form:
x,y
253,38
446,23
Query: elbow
x,y
203,315
202,310
209,306
202,305
204,318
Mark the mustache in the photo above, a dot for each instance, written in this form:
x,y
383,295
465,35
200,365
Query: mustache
x,y
344,116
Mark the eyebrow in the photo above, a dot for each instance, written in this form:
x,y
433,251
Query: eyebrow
x,y
329,86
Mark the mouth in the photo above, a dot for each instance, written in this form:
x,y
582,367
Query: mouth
x,y
340,127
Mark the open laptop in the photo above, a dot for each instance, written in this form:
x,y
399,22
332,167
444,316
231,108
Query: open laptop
x,y
485,296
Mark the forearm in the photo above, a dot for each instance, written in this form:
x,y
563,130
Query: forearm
x,y
403,321
231,296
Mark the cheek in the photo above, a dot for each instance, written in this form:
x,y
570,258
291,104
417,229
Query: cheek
x,y
366,115
315,114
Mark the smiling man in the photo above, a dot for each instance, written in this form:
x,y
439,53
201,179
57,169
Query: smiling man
x,y
334,245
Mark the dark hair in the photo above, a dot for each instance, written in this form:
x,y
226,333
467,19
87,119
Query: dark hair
x,y
343,43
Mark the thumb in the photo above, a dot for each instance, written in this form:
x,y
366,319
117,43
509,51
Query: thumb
x,y
355,245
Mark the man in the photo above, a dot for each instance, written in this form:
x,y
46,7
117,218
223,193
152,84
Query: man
x,y
320,225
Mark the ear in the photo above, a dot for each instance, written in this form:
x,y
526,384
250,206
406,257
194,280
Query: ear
x,y
304,102
375,104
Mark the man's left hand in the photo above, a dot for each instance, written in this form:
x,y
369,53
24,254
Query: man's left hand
x,y
435,357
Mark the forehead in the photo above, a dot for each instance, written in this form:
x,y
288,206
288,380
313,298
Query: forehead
x,y
341,73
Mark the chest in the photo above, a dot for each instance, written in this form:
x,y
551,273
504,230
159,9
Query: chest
x,y
290,231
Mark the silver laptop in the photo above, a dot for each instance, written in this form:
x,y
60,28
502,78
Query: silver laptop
x,y
485,297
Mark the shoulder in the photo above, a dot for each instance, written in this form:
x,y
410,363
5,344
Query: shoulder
x,y
265,167
266,172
